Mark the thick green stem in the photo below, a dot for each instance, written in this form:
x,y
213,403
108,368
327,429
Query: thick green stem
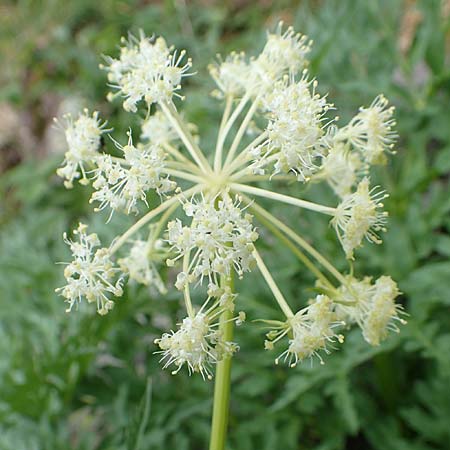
x,y
222,383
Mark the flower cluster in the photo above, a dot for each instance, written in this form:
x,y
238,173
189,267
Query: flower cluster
x,y
198,342
140,263
276,126
371,131
158,130
341,169
192,344
284,54
220,237
91,274
121,187
83,138
229,75
371,306
358,216
295,129
147,70
311,330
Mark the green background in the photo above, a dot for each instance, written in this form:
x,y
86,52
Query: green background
x,y
89,382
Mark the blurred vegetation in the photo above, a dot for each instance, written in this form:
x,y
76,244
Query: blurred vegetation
x,y
89,382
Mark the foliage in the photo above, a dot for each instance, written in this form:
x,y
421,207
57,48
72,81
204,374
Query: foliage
x,y
84,383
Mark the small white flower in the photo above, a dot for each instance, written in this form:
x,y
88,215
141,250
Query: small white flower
x,y
192,344
147,70
352,298
197,343
312,330
122,187
284,53
383,312
371,306
158,130
220,239
358,216
340,168
295,129
83,138
140,264
231,75
370,131
90,274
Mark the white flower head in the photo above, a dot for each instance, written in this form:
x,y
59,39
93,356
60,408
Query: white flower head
x,y
140,264
311,331
371,306
275,126
340,168
284,53
383,313
220,238
148,70
121,184
352,298
197,343
371,131
90,274
358,216
158,130
83,137
295,129
231,75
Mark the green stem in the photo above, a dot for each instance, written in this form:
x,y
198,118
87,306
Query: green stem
x,y
185,135
227,127
279,297
187,290
244,156
297,252
179,157
259,211
223,381
242,129
150,215
220,141
183,175
156,231
283,198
